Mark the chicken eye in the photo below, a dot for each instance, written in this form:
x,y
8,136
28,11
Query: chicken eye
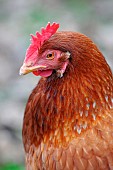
x,y
50,56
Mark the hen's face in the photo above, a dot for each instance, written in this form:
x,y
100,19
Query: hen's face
x,y
46,63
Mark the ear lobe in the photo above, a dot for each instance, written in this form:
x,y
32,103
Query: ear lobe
x,y
64,56
67,54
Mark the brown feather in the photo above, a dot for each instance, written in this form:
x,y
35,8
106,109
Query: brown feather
x,y
68,121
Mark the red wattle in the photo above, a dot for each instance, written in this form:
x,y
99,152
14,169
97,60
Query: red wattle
x,y
43,73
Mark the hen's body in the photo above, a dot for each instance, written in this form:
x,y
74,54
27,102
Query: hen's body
x,y
68,122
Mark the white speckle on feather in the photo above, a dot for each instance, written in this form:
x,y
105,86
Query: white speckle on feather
x,y
75,127
86,113
94,105
87,105
78,130
84,126
111,105
106,98
112,100
86,99
81,113
94,116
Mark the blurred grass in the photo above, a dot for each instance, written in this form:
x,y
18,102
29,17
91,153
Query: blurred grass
x,y
11,166
79,7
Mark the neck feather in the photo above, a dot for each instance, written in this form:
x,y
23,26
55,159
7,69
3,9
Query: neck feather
x,y
81,97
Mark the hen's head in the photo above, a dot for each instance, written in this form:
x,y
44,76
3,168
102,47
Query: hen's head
x,y
51,52
44,62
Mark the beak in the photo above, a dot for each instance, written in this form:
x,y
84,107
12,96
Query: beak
x,y
25,69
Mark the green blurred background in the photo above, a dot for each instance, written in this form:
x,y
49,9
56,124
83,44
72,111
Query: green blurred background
x,y
19,18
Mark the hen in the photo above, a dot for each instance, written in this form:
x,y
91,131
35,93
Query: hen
x,y
68,121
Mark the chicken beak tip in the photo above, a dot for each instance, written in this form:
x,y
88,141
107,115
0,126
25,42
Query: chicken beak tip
x,y
20,72
23,70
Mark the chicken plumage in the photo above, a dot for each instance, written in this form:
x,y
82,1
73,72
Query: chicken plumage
x,y
68,121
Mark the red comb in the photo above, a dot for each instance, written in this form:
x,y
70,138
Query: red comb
x,y
38,40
